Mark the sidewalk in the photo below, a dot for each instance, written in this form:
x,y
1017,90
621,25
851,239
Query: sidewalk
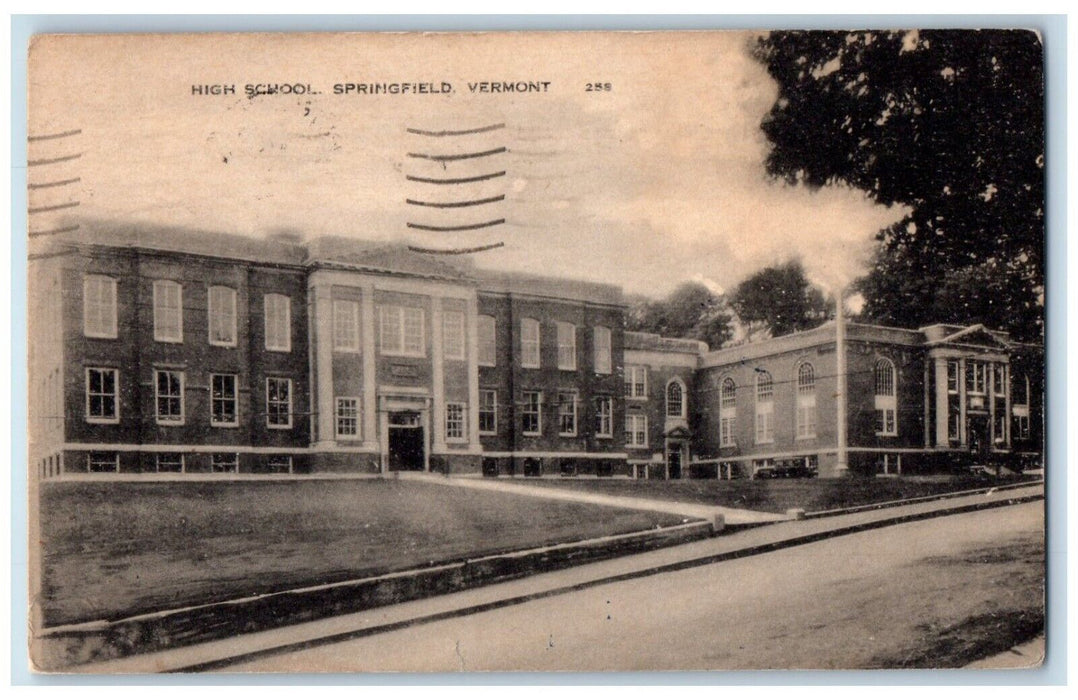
x,y
220,654
732,516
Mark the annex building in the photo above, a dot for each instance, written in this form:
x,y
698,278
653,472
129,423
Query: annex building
x,y
157,350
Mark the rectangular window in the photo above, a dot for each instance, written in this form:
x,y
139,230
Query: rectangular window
x,y
952,377
99,307
169,462
278,402
885,420
636,382
531,413
726,431
347,417
601,351
529,343
225,462
103,462
1021,425
453,335
999,383
345,325
566,346
401,331
567,413
488,411
278,310
279,464
222,310
636,430
224,401
604,417
765,424
454,422
169,388
488,349
102,397
975,377
167,312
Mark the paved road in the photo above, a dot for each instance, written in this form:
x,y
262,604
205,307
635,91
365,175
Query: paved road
x,y
840,603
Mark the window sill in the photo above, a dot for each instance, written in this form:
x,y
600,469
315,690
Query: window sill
x,y
278,427
484,364
224,425
171,423
347,351
806,437
599,436
97,336
222,345
486,433
568,435
894,434
171,341
280,350
527,434
103,421
456,441
411,355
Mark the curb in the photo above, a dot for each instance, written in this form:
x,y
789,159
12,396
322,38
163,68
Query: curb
x,y
918,499
67,645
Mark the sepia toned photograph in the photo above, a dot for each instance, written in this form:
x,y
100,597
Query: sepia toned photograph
x,y
536,351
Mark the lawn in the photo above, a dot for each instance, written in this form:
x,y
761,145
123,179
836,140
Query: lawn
x,y
778,495
117,549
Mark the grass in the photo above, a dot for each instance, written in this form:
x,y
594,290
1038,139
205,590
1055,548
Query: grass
x,y
778,495
116,549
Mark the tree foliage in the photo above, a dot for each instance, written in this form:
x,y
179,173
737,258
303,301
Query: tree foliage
x,y
780,300
949,123
690,311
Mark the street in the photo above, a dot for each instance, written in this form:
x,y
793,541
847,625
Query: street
x,y
881,598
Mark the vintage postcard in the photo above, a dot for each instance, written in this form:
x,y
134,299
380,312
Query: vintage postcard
x,y
572,351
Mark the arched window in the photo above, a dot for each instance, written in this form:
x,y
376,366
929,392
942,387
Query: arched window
x,y
765,407
886,404
806,401
727,412
675,399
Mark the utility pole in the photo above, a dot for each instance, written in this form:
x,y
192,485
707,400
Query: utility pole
x,y
841,462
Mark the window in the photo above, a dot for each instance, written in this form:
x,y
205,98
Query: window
x,y
765,408
345,325
952,377
531,413
488,350
227,462
103,462
99,307
223,400
279,464
401,331
675,399
222,308
975,377
169,462
567,413
169,387
453,335
566,346
601,350
102,399
727,412
278,402
167,312
529,343
886,422
278,309
636,382
806,401
454,422
1020,411
347,417
636,430
488,411
999,381
604,417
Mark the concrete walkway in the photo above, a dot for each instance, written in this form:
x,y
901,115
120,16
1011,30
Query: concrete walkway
x,y
221,654
732,516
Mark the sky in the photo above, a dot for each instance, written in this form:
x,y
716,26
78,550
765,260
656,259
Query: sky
x,y
653,181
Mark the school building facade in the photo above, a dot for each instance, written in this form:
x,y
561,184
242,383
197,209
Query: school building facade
x,y
164,351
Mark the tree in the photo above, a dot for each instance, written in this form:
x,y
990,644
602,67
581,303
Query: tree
x,y
780,300
949,123
690,311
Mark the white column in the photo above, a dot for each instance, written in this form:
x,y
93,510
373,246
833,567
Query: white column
x,y
371,436
942,403
841,399
472,353
322,343
1007,388
963,439
437,414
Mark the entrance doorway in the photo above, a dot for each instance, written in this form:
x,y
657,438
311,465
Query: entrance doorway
x,y
406,448
979,438
673,461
